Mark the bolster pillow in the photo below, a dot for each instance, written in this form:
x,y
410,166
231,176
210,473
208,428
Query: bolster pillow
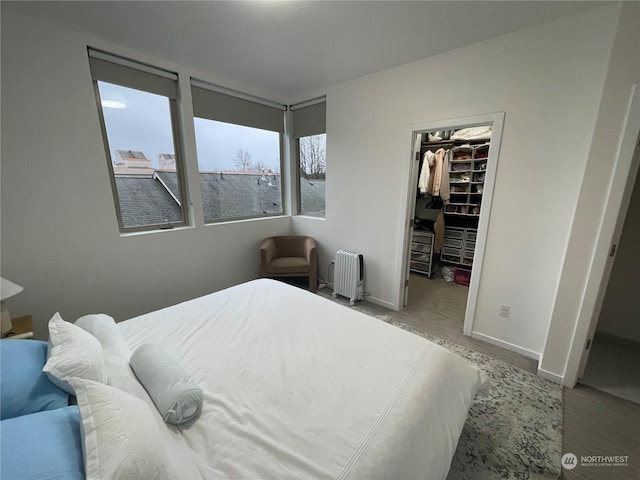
x,y
175,393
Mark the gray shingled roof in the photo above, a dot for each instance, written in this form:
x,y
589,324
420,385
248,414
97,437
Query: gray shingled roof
x,y
144,201
312,197
226,195
170,179
229,195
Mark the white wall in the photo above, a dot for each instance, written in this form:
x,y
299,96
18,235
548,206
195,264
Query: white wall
x,y
588,246
60,237
549,80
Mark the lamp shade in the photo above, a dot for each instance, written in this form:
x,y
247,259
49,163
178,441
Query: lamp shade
x,y
8,288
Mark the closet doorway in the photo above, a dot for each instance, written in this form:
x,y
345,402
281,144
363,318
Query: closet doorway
x,y
447,216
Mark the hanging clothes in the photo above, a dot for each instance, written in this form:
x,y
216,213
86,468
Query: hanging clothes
x,y
445,187
425,172
439,178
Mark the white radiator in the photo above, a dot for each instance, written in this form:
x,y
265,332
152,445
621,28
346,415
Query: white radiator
x,y
348,276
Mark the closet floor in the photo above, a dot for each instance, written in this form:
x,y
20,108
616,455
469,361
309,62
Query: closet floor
x,y
613,368
438,301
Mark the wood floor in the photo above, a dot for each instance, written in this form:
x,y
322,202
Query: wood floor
x,y
595,423
613,366
598,423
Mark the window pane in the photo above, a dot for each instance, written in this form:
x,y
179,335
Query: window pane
x,y
140,140
312,152
239,170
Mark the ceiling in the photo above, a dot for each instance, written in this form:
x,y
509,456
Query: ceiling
x,y
286,48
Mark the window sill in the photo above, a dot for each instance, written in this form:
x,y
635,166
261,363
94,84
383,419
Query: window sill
x,y
243,220
157,230
310,217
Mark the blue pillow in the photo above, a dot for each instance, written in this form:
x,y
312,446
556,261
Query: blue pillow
x,y
44,445
24,388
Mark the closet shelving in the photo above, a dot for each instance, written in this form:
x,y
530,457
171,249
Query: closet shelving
x,y
422,252
459,245
467,170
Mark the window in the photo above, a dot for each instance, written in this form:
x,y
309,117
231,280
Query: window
x,y
239,144
138,115
311,145
312,159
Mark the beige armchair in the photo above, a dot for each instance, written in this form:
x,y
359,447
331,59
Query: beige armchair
x,y
289,256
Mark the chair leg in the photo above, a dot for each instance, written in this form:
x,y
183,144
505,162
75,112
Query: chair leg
x,y
313,283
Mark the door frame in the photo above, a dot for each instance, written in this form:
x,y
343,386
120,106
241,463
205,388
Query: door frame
x,y
617,202
411,208
496,120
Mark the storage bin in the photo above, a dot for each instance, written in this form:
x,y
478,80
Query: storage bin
x,y
420,247
452,242
454,232
462,276
423,267
454,252
426,238
420,257
449,258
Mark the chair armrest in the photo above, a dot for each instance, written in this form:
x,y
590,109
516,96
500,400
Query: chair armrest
x,y
267,253
310,252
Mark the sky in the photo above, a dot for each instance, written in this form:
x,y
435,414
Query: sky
x,y
137,120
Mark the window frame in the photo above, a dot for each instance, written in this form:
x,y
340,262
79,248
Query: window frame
x,y
177,138
249,217
235,96
308,131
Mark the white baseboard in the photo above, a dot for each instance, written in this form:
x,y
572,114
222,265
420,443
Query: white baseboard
x,y
554,377
382,303
506,345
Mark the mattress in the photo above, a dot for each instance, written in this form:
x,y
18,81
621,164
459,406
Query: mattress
x,y
298,386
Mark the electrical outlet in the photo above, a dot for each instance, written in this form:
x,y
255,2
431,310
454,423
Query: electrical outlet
x,y
504,311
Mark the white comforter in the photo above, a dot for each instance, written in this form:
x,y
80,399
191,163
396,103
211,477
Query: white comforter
x,y
297,386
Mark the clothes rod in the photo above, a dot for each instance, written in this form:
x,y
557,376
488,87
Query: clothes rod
x,y
236,93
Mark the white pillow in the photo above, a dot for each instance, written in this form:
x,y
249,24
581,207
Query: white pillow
x,y
121,438
104,328
72,352
116,353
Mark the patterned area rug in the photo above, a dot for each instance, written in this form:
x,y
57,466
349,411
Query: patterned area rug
x,y
515,432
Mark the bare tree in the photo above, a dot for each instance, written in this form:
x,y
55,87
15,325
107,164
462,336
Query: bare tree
x,y
313,156
260,166
242,160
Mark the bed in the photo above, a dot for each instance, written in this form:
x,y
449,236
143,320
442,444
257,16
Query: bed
x,y
295,386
